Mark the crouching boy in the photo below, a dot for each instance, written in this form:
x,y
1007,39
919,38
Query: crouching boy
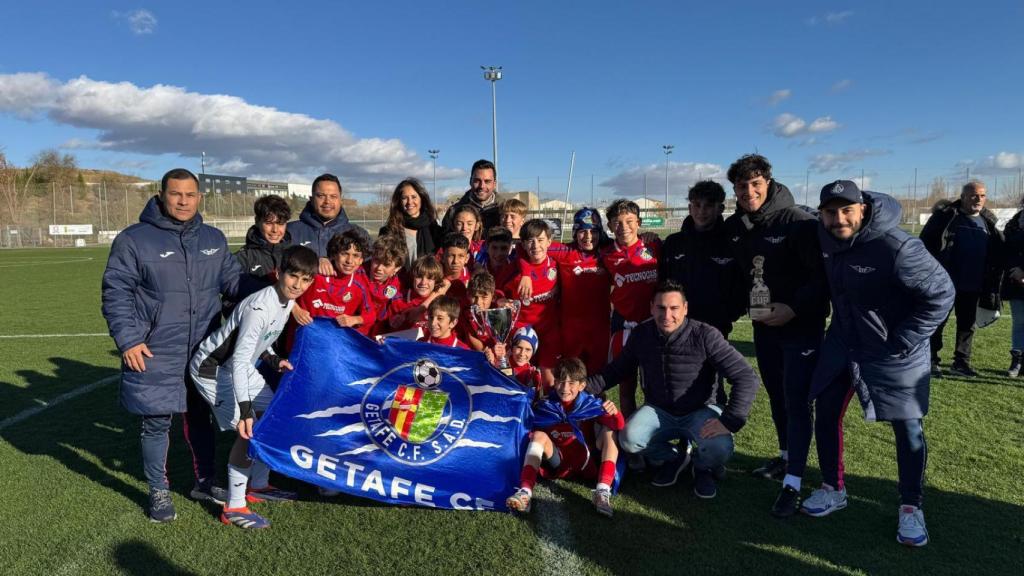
x,y
571,425
224,370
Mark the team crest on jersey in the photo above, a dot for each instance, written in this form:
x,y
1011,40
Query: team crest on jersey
x,y
721,261
552,274
210,251
390,292
645,254
417,412
775,239
862,269
347,297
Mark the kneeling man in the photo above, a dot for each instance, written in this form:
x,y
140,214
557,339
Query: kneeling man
x,y
669,350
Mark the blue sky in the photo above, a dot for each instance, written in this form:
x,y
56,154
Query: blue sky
x,y
287,90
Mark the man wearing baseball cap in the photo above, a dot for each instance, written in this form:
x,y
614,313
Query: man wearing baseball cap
x,y
888,297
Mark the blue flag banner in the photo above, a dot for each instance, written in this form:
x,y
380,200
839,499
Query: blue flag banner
x,y
404,422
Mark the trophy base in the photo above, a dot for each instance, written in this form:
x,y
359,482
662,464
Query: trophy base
x,y
757,314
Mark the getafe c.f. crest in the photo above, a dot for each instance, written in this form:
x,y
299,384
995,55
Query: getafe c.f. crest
x,y
410,413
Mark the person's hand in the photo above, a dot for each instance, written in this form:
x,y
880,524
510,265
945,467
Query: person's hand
x,y
135,357
326,268
345,321
525,289
650,238
779,316
442,288
491,358
301,316
245,428
713,427
284,365
499,350
396,320
610,408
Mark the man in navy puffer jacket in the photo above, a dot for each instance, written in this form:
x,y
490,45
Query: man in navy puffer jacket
x,y
322,219
161,298
888,297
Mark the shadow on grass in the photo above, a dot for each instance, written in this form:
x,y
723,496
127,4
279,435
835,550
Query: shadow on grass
x,y
734,533
137,558
42,388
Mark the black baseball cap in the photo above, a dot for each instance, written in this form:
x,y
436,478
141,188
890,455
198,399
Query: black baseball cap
x,y
841,190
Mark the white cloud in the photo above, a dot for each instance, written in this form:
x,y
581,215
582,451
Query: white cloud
x,y
779,96
788,125
237,136
829,18
140,21
834,162
842,85
1007,160
681,175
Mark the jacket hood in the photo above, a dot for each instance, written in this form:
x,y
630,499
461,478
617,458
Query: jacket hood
x,y
254,238
310,217
471,198
884,215
153,214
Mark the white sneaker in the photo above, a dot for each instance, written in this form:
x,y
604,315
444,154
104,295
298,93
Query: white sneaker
x,y
911,531
824,501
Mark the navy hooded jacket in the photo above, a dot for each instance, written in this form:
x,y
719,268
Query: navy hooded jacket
x,y
162,287
888,297
310,231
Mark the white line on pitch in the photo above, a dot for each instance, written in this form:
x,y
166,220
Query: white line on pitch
x,y
555,534
80,335
26,414
77,260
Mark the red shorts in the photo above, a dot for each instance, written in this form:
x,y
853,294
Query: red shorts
x,y
574,462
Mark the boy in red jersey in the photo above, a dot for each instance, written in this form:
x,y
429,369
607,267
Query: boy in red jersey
x,y
569,427
540,306
409,310
454,258
479,292
381,275
344,297
442,316
585,286
521,349
633,266
500,262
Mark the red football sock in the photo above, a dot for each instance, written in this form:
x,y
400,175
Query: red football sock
x,y
528,477
606,475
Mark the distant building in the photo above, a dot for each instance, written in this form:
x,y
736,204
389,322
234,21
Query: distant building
x,y
647,203
300,190
219,184
555,205
526,197
266,188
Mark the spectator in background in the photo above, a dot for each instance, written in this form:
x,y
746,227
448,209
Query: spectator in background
x,y
482,195
1013,287
161,298
413,220
322,219
963,237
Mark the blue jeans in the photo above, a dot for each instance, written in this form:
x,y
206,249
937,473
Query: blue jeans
x,y
1017,326
650,430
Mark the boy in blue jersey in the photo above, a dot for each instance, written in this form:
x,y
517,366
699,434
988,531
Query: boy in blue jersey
x,y
224,370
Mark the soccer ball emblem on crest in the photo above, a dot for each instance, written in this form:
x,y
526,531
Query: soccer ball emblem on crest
x,y
426,374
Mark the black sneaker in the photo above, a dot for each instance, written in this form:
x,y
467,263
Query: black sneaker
x,y
787,503
774,469
161,508
936,370
963,370
207,492
704,484
669,472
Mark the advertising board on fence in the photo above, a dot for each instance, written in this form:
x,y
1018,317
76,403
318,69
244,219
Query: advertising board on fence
x,y
70,229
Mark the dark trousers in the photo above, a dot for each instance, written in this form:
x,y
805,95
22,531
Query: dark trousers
x,y
708,373
965,306
911,459
786,366
199,435
829,409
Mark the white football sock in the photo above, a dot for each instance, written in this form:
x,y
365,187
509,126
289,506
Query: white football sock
x,y
237,479
792,481
603,486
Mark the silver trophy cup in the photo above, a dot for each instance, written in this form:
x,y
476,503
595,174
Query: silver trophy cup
x,y
498,323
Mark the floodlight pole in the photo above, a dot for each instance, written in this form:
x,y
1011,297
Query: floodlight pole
x,y
433,156
493,74
667,148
